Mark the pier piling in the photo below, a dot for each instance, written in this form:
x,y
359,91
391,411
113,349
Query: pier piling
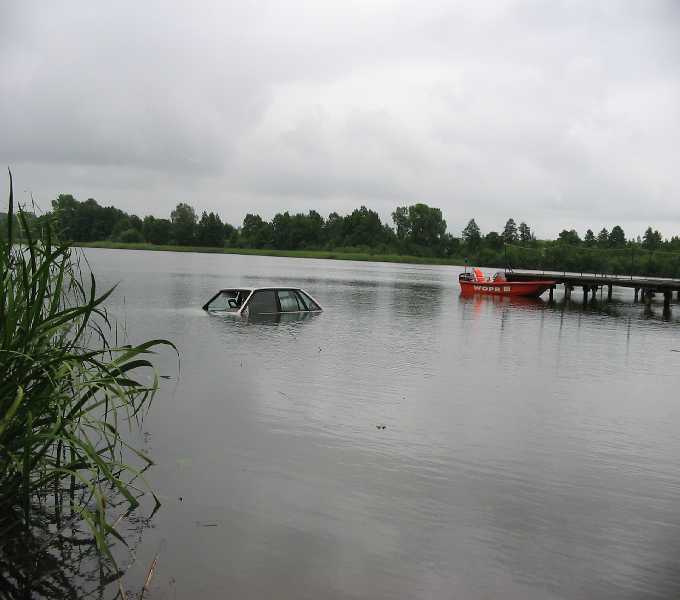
x,y
644,288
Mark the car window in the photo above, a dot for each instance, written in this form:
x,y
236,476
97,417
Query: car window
x,y
301,300
221,302
263,302
289,301
311,305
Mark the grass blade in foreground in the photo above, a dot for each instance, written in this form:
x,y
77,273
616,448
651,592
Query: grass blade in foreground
x,y
64,390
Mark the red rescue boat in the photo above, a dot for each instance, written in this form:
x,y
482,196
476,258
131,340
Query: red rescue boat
x,y
476,283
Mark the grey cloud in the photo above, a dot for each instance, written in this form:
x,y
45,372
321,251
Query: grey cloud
x,y
564,114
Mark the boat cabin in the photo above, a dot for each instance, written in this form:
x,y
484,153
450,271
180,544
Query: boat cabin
x,y
477,276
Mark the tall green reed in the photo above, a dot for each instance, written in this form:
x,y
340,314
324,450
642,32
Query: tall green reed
x,y
67,392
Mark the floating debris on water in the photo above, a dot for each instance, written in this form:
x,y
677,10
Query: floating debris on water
x,y
207,523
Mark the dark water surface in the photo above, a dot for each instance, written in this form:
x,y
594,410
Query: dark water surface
x,y
529,451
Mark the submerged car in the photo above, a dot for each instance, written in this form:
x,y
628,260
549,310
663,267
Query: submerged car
x,y
262,301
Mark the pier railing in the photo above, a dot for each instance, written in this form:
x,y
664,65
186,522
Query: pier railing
x,y
629,261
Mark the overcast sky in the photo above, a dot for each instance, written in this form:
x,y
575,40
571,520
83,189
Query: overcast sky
x,y
561,114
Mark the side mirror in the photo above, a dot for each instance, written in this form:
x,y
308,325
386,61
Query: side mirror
x,y
232,303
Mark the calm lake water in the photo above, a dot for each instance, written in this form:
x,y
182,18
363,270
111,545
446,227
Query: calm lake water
x,y
530,451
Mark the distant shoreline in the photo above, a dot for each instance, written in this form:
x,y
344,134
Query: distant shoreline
x,y
322,254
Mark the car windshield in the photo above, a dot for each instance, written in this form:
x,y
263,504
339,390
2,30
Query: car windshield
x,y
227,301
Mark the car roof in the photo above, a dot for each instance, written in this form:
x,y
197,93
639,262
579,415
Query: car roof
x,y
255,289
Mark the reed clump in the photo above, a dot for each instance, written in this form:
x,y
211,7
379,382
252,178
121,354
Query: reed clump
x,y
68,394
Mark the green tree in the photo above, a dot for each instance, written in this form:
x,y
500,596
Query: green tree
x,y
88,221
293,232
136,222
334,230
674,243
363,228
617,238
589,238
524,232
124,224
183,220
131,236
107,219
450,245
651,240
426,226
308,229
510,232
147,226
472,236
569,237
256,233
230,235
210,231
603,238
156,231
282,231
420,229
64,208
402,223
493,240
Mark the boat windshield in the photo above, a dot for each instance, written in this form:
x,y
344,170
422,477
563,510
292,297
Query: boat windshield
x,y
227,301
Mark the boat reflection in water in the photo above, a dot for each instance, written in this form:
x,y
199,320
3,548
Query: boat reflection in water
x,y
522,301
477,301
596,308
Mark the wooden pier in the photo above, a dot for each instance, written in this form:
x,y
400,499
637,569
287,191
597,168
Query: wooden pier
x,y
644,288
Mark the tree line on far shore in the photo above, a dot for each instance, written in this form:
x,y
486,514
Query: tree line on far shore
x,y
417,230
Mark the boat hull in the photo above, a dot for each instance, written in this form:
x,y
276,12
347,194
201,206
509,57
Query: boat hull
x,y
505,288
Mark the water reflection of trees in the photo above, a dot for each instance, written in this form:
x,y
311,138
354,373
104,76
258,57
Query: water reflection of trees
x,y
57,557
416,299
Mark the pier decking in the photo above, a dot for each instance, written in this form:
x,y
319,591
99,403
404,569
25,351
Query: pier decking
x,y
644,287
